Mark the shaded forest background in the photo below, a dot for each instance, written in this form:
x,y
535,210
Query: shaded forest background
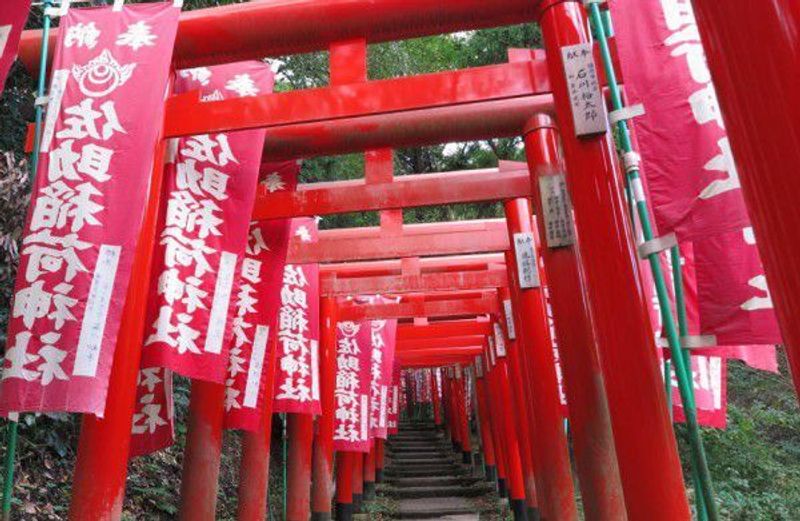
x,y
754,462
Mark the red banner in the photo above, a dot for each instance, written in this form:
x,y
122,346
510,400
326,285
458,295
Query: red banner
x,y
250,362
110,73
733,298
710,380
686,157
393,416
12,21
297,377
384,337
209,190
352,392
153,426
257,306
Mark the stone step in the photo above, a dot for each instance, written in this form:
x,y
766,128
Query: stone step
x,y
423,452
433,481
440,491
455,517
436,508
424,471
416,436
403,456
422,462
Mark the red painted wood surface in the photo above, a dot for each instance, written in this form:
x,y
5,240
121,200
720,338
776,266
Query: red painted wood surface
x,y
430,239
590,423
643,436
406,191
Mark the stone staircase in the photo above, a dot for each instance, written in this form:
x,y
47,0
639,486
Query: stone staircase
x,y
427,479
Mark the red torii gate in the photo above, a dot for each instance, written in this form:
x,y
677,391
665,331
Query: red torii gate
x,y
488,102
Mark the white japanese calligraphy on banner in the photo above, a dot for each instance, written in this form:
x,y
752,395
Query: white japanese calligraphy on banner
x,y
687,162
351,394
210,188
297,377
251,365
87,207
383,335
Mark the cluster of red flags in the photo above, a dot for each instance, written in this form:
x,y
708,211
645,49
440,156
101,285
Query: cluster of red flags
x,y
223,304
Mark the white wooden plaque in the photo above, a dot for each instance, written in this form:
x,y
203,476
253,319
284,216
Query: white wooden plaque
x,y
525,250
586,99
508,311
499,341
557,211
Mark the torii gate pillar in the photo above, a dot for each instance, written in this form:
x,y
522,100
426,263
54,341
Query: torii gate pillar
x,y
554,486
593,443
645,443
300,433
322,491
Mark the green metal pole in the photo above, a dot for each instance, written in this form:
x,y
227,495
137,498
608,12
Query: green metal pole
x,y
683,328
284,417
8,482
40,89
684,386
12,428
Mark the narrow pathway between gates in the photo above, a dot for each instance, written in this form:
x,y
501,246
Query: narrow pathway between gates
x,y
429,481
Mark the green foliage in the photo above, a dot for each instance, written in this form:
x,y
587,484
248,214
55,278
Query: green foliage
x,y
754,462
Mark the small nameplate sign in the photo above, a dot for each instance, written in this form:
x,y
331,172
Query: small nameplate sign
x,y
588,106
557,211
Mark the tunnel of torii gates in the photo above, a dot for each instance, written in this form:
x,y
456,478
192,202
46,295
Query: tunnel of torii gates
x,y
453,279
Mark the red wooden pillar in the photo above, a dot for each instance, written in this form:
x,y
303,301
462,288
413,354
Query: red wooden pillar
x,y
358,480
643,436
753,51
496,424
322,486
253,489
101,468
484,416
369,473
590,423
508,430
380,458
465,435
521,401
554,486
437,419
455,416
447,408
300,432
345,462
201,457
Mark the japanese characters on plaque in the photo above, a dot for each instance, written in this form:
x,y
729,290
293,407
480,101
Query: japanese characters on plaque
x,y
110,72
297,376
499,340
508,313
351,394
492,353
556,211
525,253
479,366
210,185
586,99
